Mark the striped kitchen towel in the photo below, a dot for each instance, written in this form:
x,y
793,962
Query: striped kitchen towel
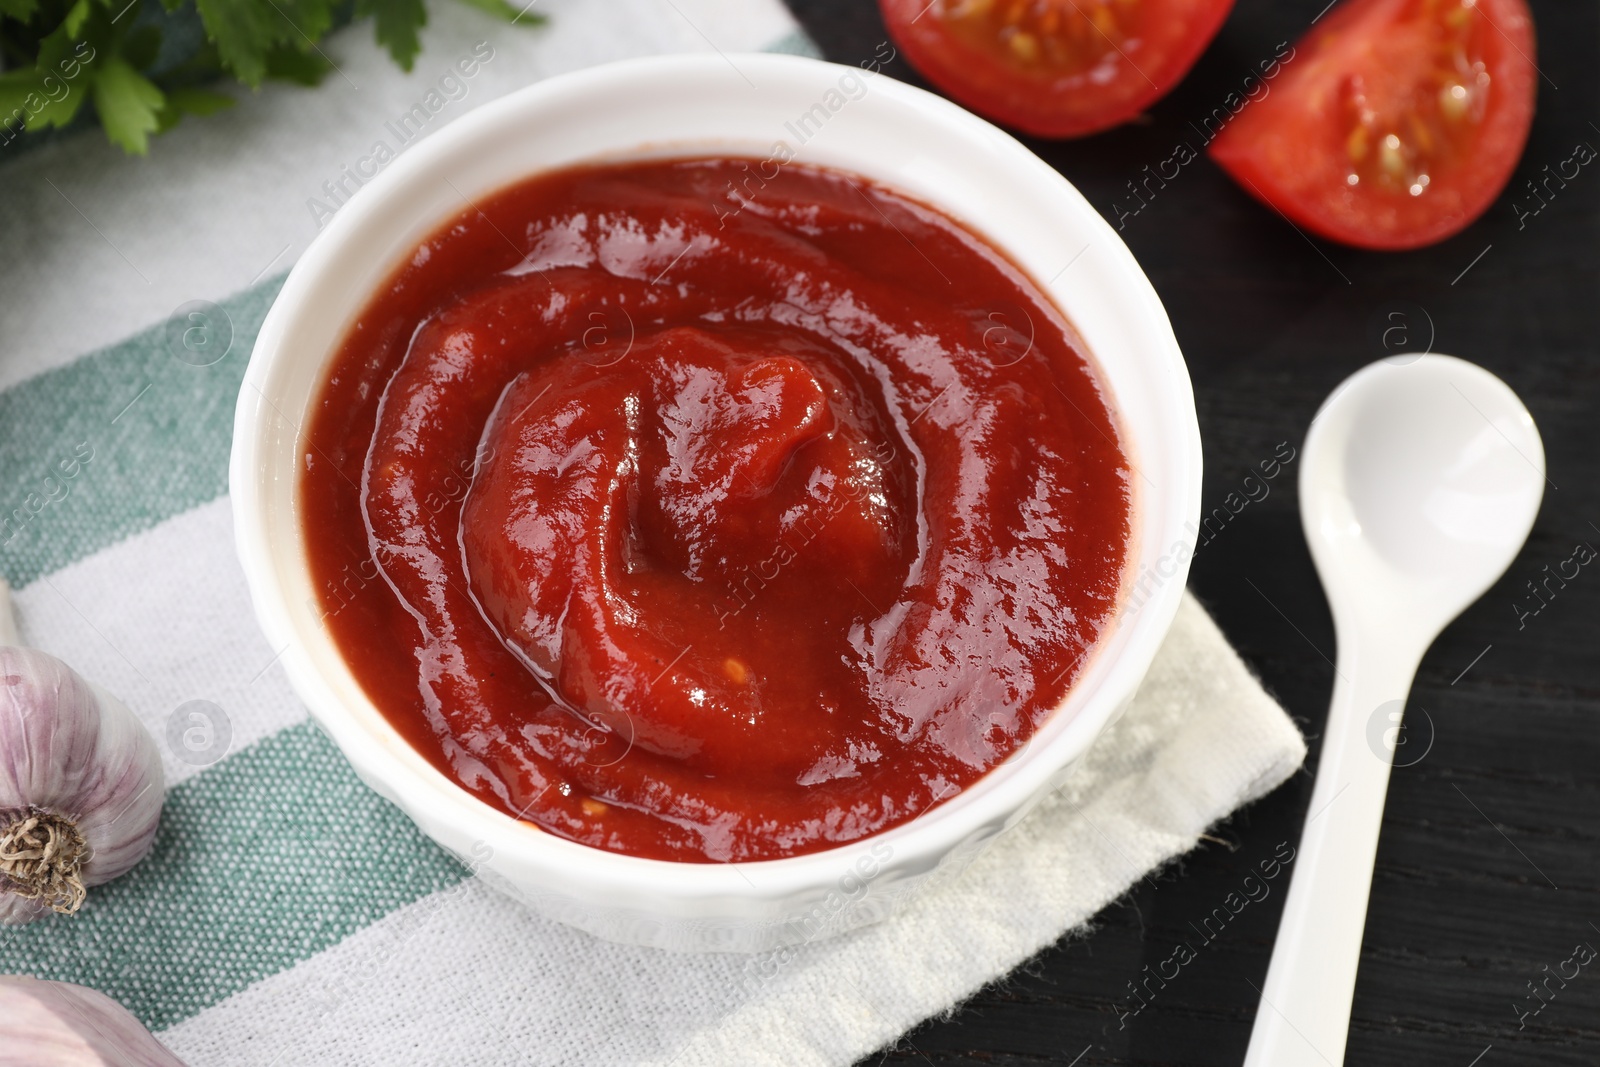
x,y
288,916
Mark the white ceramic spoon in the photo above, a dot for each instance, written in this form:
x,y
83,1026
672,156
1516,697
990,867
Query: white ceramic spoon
x,y
1420,480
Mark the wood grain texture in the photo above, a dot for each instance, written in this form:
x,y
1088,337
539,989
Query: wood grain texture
x,y
1489,868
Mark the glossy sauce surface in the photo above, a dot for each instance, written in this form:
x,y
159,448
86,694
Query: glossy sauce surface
x,y
712,510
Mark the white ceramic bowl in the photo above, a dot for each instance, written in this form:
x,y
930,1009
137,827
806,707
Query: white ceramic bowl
x,y
735,105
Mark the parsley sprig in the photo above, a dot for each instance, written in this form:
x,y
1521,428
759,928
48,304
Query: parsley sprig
x,y
141,66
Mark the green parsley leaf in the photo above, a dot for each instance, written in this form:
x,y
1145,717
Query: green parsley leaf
x,y
289,64
53,91
14,89
396,23
190,101
77,15
520,12
247,31
129,105
145,70
21,10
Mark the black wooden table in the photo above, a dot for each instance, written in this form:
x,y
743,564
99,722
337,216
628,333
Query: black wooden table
x,y
1487,873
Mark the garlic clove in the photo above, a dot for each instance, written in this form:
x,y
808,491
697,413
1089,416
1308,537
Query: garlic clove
x,y
18,911
57,1024
81,785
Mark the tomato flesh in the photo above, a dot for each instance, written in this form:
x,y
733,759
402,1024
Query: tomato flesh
x,y
1055,68
1396,123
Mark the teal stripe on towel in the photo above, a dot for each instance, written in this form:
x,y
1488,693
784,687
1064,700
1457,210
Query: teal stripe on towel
x,y
156,431
261,862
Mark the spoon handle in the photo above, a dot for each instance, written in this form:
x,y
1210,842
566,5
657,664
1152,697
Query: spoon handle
x,y
1304,1015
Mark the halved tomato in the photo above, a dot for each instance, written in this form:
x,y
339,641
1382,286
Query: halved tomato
x,y
1395,124
1055,68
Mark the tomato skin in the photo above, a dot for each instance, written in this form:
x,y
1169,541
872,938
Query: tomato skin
x,y
1289,149
1061,106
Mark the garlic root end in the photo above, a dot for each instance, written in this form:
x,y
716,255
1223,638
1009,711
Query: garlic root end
x,y
41,858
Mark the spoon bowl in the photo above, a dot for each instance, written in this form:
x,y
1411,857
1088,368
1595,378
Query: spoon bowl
x,y
1420,483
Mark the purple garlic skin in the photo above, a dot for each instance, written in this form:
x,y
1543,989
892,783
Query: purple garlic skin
x,y
18,911
56,1024
69,751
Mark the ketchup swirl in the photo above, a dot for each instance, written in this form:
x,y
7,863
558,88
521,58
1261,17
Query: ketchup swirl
x,y
713,534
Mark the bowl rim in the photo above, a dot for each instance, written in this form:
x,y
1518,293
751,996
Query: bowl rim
x,y
440,806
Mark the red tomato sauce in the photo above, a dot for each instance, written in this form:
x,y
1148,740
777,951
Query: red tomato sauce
x,y
707,511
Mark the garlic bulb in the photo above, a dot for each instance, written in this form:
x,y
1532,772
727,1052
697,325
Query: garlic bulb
x,y
56,1024
80,783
